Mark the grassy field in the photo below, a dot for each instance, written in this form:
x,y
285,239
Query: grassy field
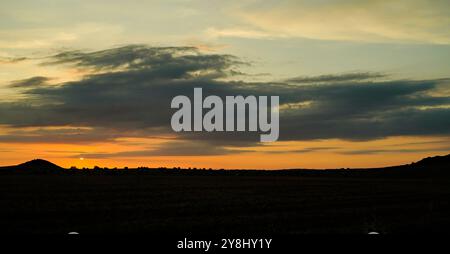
x,y
221,204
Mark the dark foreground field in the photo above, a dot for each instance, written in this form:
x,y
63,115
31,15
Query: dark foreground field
x,y
221,204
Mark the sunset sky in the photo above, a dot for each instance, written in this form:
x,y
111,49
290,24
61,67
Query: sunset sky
x,y
361,83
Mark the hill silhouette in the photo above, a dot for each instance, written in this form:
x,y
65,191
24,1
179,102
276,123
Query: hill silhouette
x,y
36,166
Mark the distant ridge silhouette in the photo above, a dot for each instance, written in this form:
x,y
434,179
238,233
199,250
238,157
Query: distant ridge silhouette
x,y
437,166
433,166
435,161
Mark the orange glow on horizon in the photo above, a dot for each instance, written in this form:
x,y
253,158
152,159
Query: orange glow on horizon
x,y
279,155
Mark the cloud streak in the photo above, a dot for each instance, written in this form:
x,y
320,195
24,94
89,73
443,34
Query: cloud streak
x,y
346,77
32,82
171,148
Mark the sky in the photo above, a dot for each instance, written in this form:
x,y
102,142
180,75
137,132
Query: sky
x,y
361,83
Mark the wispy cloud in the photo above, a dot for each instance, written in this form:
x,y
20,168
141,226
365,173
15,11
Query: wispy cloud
x,y
404,21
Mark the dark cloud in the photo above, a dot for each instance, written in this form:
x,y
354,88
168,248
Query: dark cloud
x,y
130,95
366,111
168,62
368,125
